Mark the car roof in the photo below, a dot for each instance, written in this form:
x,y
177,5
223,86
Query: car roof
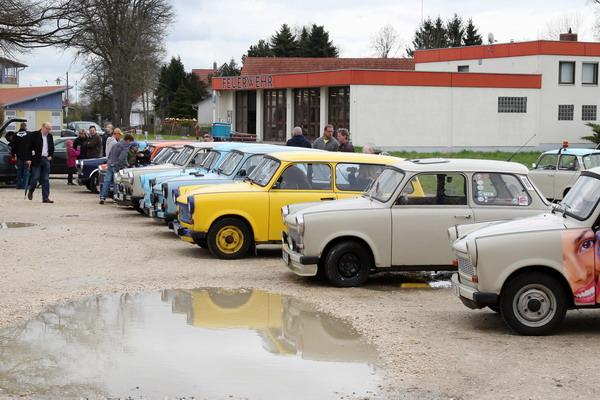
x,y
307,155
200,145
264,148
460,164
575,151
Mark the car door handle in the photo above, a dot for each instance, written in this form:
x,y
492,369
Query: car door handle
x,y
327,198
468,216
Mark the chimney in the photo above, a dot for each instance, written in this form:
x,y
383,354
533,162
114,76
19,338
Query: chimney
x,y
568,37
215,64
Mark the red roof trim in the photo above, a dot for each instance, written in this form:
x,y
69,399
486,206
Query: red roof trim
x,y
538,47
378,77
10,96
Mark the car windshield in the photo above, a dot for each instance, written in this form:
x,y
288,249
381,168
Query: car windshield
x,y
263,173
230,162
582,199
385,185
85,125
163,154
591,160
173,156
184,156
209,161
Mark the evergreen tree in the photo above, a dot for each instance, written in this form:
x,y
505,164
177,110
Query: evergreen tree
x,y
455,30
230,69
439,35
181,107
261,49
283,43
471,38
319,44
303,43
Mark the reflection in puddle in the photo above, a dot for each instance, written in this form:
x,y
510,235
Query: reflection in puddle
x,y
229,344
6,225
389,282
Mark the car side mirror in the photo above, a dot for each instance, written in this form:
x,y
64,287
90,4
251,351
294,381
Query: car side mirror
x,y
242,172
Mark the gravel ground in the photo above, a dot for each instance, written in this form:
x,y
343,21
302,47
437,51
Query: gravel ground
x,y
430,345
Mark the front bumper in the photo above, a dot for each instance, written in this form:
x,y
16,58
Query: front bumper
x,y
299,264
184,234
471,297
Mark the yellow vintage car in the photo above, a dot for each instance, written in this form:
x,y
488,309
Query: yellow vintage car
x,y
230,219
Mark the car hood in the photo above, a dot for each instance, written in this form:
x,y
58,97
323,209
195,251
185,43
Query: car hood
x,y
235,187
151,169
354,203
541,222
192,177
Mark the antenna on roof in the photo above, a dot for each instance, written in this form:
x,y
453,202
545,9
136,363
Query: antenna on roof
x,y
491,38
519,149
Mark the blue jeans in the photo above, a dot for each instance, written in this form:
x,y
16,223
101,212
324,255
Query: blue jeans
x,y
41,173
108,180
22,174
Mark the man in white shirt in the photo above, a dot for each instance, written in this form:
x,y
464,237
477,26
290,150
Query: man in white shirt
x,y
41,146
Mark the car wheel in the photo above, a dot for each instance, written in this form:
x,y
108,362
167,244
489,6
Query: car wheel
x,y
229,239
93,183
347,264
533,304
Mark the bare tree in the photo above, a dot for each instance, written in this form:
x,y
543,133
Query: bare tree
x,y
562,24
386,42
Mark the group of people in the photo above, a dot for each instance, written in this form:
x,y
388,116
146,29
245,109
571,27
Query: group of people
x,y
33,152
341,141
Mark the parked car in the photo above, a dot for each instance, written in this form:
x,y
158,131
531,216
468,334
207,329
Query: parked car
x,y
393,227
239,163
556,171
230,219
87,172
128,184
59,160
76,126
8,173
68,133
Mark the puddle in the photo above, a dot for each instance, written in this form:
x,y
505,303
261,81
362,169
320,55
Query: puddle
x,y
6,225
203,344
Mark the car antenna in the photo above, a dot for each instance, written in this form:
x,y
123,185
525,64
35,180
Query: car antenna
x,y
519,149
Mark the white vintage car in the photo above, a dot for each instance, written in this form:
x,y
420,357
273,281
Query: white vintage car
x,y
401,222
532,270
556,171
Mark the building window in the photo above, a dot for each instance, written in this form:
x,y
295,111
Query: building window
x,y
565,112
274,116
566,72
589,73
512,104
463,68
339,107
245,111
588,113
307,111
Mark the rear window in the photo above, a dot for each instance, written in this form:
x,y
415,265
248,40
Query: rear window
x,y
356,177
497,189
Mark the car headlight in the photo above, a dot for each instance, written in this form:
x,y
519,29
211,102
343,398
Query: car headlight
x,y
300,224
285,211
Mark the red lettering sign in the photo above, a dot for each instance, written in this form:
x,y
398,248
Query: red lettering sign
x,y
247,82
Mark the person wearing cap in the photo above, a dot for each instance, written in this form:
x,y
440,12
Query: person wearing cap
x,y
111,141
129,159
115,164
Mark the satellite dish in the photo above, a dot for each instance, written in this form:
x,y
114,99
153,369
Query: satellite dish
x,y
491,38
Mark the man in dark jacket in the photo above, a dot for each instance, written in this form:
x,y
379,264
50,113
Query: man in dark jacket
x,y
94,144
343,137
115,164
80,143
41,150
298,139
18,149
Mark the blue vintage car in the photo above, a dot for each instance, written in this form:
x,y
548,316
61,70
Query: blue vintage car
x,y
236,166
211,162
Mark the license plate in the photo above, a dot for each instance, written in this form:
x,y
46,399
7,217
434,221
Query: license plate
x,y
286,257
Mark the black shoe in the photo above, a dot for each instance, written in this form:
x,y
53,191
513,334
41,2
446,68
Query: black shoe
x,y
30,194
47,201
101,201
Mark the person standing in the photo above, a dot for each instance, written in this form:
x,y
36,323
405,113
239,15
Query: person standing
x,y
114,139
130,158
80,144
108,132
207,138
94,144
41,150
298,139
18,149
327,141
114,164
343,137
72,155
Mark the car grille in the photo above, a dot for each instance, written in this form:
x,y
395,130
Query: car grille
x,y
465,266
184,213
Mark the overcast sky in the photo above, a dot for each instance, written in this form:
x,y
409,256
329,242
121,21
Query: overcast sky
x,y
207,31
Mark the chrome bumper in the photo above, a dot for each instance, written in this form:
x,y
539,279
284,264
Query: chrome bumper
x,y
299,264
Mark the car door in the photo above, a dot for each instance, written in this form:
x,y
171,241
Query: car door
x,y
543,174
566,174
298,183
7,170
59,160
420,223
498,196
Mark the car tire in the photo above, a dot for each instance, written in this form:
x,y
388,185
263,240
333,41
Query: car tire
x,y
202,243
533,304
93,183
495,309
347,264
229,238
139,209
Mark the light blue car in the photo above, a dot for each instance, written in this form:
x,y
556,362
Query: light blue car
x,y
236,166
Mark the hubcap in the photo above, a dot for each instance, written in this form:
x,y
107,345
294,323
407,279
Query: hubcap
x,y
230,239
534,305
349,265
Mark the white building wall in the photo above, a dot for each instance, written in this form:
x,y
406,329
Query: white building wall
x,y
205,112
225,107
505,65
438,118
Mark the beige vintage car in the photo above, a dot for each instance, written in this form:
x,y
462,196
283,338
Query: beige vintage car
x,y
532,270
401,222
